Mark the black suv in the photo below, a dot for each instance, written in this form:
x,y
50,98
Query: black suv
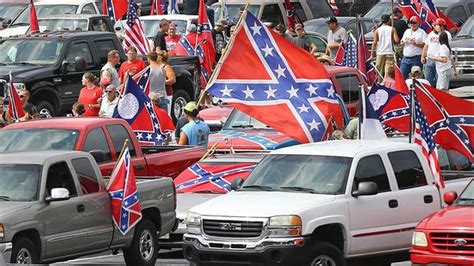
x,y
51,66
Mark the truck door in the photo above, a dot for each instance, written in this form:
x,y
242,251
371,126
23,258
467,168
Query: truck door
x,y
97,213
63,229
374,220
417,198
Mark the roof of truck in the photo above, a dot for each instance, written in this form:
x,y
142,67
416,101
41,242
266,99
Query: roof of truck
x,y
34,157
65,122
342,148
64,34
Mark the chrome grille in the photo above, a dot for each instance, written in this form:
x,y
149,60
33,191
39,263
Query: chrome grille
x,y
233,229
453,242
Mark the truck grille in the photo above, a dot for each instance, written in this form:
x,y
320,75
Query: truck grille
x,y
464,56
234,229
453,242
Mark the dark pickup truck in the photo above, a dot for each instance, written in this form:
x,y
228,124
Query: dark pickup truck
x,y
51,66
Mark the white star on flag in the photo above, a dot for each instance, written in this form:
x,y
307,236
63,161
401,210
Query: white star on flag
x,y
314,125
270,92
256,29
248,93
226,91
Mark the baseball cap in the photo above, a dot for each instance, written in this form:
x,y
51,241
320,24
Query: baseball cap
x,y
414,19
415,69
440,21
385,18
191,106
332,20
172,26
396,10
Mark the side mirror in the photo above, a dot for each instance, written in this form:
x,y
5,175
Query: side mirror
x,y
80,64
58,194
98,155
236,183
118,28
366,189
449,197
64,67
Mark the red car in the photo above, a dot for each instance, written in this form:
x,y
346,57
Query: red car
x,y
447,236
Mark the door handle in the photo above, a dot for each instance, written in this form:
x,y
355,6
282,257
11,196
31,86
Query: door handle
x,y
393,203
80,208
428,199
140,167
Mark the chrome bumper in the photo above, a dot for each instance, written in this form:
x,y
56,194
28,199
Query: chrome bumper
x,y
5,252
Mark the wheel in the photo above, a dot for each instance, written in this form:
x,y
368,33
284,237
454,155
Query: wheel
x,y
24,251
45,107
180,99
144,248
325,254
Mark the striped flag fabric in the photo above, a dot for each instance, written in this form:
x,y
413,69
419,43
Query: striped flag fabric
x,y
292,15
157,7
15,108
134,34
114,9
205,48
335,9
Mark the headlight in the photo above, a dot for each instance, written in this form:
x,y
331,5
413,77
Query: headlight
x,y
2,232
287,225
419,239
193,223
20,86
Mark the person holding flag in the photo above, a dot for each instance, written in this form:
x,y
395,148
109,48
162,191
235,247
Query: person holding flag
x,y
337,35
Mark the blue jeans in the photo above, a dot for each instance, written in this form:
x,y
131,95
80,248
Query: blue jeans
x,y
163,104
408,62
429,71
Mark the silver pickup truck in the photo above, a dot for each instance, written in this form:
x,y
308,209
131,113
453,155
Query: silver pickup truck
x,y
54,206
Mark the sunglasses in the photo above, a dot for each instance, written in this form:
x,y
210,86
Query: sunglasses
x,y
22,96
109,91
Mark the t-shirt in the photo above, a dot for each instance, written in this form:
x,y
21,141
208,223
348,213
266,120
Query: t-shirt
x,y
171,42
339,36
432,40
113,74
159,40
410,49
303,42
197,133
137,66
443,51
91,96
166,123
400,27
179,125
107,107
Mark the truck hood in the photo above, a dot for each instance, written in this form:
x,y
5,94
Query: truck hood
x,y
10,207
260,203
252,139
450,218
462,43
20,73
188,200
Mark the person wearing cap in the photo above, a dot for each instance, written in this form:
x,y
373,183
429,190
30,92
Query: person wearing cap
x,y
196,131
413,43
443,62
159,41
398,23
172,40
415,73
219,37
431,48
337,35
302,41
384,38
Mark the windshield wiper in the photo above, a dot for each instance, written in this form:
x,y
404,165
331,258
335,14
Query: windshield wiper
x,y
19,24
26,63
465,199
242,126
266,188
210,191
5,198
303,189
464,36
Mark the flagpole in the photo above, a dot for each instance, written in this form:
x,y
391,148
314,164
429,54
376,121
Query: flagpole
x,y
391,8
412,101
224,54
213,147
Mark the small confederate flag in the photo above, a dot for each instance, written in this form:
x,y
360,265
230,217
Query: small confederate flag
x,y
157,7
15,108
122,188
205,48
292,15
34,27
114,9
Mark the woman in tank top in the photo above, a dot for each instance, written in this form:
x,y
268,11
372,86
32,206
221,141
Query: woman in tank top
x,y
161,74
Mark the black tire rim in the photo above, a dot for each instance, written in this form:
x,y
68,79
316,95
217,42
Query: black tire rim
x,y
146,246
323,260
24,257
179,103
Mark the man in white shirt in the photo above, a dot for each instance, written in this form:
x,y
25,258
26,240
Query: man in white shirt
x,y
384,38
109,102
336,36
413,43
431,49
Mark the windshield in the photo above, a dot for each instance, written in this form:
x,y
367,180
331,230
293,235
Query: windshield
x,y
43,11
311,173
467,29
10,11
232,11
38,139
19,182
319,26
62,24
151,27
30,51
467,197
378,10
238,119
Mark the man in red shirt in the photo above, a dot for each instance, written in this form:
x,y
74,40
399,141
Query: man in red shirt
x,y
132,66
172,40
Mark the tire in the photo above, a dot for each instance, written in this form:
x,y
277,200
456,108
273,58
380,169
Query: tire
x,y
180,99
144,248
45,106
325,254
24,251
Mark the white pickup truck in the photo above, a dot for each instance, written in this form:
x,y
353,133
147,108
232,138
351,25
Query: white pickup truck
x,y
318,204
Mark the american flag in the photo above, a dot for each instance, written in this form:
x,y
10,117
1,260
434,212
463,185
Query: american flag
x,y
346,55
134,34
122,188
424,136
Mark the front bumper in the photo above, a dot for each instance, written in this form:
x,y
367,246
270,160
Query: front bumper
x,y
268,251
5,252
426,257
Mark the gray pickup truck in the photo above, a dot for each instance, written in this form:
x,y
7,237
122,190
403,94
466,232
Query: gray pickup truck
x,y
54,206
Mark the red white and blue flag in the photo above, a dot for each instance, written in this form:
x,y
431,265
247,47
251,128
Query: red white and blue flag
x,y
209,177
136,108
288,89
256,139
292,15
34,26
158,7
439,14
114,9
122,188
15,108
134,34
173,7
205,48
333,5
142,79
411,8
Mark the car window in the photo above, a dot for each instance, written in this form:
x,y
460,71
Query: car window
x,y
407,168
349,84
100,24
320,44
88,9
96,140
457,14
371,169
103,47
118,133
86,175
443,159
471,8
78,50
458,162
59,176
352,27
98,3
272,13
300,11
